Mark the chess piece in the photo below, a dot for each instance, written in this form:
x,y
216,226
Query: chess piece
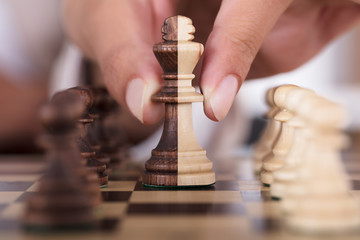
x,y
178,159
67,197
88,153
104,135
270,133
319,200
275,159
288,173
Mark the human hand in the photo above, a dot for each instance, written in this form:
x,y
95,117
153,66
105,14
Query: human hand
x,y
119,35
255,38
276,36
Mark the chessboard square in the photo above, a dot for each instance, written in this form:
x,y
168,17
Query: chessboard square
x,y
124,177
22,167
112,196
13,211
111,210
8,197
271,209
266,225
250,185
226,186
185,227
186,209
24,196
19,177
109,224
256,196
14,186
34,187
120,186
186,197
124,174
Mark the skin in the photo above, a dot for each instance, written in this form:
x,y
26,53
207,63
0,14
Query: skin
x,y
19,121
249,39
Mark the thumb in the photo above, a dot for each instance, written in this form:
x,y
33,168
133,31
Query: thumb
x,y
239,30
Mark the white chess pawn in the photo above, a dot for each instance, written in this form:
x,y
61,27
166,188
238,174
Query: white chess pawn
x,y
275,159
321,201
288,172
270,133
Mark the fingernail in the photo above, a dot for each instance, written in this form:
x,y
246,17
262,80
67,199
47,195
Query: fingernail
x,y
138,99
223,96
135,97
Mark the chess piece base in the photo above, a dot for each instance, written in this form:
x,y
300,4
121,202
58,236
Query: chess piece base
x,y
158,179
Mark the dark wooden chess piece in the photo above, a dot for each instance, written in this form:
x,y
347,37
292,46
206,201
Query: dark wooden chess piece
x,y
106,145
178,160
88,153
67,194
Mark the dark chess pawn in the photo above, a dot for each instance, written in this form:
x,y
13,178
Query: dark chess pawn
x,y
88,153
67,195
105,135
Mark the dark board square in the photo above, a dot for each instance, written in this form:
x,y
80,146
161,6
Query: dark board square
x,y
14,186
226,186
112,196
255,196
23,197
187,209
123,178
108,224
265,224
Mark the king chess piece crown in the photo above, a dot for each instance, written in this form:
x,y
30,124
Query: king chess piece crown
x,y
178,159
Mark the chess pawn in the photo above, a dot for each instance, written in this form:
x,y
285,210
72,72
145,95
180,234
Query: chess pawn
x,y
65,198
288,173
270,133
178,159
320,202
275,159
85,96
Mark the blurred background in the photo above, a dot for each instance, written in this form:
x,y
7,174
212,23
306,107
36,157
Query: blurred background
x,y
36,60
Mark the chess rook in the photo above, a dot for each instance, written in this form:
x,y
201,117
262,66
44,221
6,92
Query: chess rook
x,y
178,160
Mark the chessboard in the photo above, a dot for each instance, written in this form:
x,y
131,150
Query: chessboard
x,y
238,206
